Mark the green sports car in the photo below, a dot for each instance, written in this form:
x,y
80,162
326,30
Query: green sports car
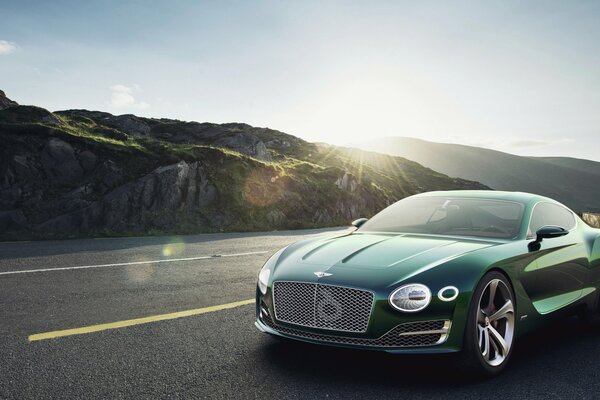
x,y
439,272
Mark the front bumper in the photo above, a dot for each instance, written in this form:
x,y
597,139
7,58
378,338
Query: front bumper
x,y
418,336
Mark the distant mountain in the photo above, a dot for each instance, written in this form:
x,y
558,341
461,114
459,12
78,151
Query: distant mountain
x,y
592,167
573,182
79,172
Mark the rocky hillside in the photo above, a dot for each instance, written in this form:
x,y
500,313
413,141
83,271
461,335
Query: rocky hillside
x,y
79,172
5,102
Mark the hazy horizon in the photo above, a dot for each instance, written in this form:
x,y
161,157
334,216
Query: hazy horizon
x,y
522,78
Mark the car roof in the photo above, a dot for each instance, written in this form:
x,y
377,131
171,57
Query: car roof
x,y
520,197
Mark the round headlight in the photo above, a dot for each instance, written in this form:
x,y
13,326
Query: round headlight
x,y
265,272
263,279
410,298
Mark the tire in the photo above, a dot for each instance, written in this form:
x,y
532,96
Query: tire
x,y
490,327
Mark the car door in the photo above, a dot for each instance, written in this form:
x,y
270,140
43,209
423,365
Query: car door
x,y
561,266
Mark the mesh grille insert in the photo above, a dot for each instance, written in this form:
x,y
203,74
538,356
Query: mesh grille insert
x,y
322,306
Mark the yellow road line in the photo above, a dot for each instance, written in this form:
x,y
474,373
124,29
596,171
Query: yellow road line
x,y
136,321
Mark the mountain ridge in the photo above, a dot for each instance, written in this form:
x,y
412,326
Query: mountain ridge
x,y
579,164
577,187
87,173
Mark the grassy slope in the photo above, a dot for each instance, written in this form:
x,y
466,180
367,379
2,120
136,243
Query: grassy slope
x,y
300,180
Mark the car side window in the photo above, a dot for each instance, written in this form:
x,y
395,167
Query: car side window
x,y
550,214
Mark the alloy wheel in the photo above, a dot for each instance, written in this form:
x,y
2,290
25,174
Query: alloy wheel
x,y
495,322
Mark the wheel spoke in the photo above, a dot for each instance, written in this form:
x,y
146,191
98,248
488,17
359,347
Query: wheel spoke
x,y
496,350
493,287
486,343
499,340
481,316
503,312
480,334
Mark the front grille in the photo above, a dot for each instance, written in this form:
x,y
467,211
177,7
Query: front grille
x,y
321,306
411,334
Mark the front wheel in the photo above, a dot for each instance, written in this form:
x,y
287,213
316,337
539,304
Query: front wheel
x,y
490,327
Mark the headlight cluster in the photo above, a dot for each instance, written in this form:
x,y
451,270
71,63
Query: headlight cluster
x,y
410,298
263,279
265,272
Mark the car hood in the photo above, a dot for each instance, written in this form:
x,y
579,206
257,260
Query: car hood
x,y
394,255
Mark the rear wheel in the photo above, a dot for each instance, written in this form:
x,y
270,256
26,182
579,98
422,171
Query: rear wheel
x,y
490,327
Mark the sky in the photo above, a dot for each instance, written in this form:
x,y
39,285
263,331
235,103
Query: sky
x,y
520,77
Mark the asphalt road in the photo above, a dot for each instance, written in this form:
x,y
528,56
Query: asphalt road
x,y
221,354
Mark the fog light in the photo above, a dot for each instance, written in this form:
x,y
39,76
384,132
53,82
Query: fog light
x,y
448,293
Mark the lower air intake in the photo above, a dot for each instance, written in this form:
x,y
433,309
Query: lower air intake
x,y
411,334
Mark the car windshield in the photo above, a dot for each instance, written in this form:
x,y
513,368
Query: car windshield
x,y
449,216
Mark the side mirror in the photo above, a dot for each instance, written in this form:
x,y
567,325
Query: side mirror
x,y
359,222
549,232
546,232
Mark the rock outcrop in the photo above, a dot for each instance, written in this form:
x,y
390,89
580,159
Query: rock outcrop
x,y
59,162
130,124
246,144
237,137
276,218
163,199
79,172
322,217
592,219
347,182
5,102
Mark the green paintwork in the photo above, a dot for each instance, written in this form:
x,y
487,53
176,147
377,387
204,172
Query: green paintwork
x,y
554,303
562,272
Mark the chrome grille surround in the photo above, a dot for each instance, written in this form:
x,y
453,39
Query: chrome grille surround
x,y
321,306
410,334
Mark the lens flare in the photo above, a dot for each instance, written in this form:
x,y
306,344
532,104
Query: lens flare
x,y
175,247
263,187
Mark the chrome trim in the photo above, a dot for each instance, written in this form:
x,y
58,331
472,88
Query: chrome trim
x,y
378,342
443,332
447,326
402,287
451,298
422,332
